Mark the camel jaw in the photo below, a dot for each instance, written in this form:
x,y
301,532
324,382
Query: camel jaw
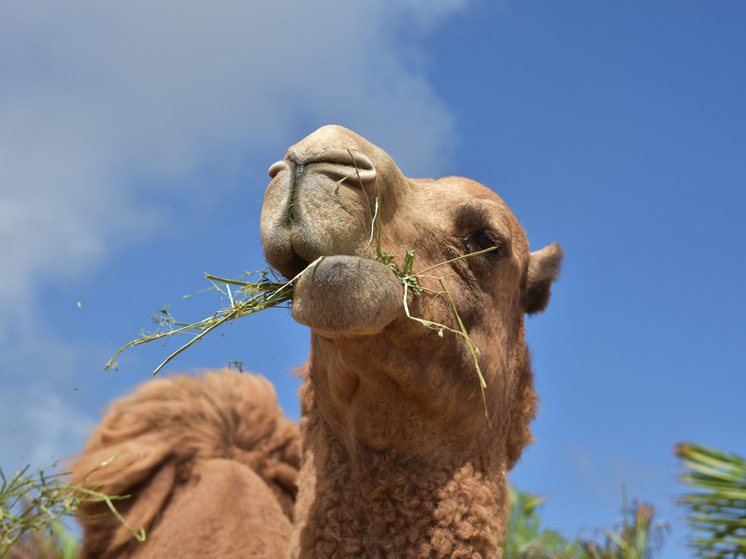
x,y
347,295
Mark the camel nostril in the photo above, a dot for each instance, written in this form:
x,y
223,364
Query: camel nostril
x,y
341,161
277,168
340,172
336,156
351,173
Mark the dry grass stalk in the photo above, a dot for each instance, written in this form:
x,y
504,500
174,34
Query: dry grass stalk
x,y
250,297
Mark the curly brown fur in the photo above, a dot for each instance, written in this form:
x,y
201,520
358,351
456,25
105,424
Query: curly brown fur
x,y
522,412
171,430
365,503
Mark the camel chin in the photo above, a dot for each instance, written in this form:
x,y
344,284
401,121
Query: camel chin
x,y
347,295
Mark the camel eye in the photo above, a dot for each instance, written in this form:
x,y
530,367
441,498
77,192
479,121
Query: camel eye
x,y
483,240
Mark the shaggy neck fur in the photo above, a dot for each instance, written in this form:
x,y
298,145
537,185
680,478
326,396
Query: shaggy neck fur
x,y
362,502
451,507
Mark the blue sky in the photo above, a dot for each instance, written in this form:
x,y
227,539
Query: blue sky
x,y
134,144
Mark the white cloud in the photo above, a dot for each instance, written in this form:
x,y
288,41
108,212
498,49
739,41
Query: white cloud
x,y
104,103
39,427
605,479
99,98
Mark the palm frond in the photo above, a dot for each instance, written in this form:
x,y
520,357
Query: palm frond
x,y
716,500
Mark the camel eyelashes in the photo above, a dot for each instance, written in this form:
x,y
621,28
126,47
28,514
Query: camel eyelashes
x,y
482,240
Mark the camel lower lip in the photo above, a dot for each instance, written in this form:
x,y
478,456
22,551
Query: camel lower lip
x,y
347,295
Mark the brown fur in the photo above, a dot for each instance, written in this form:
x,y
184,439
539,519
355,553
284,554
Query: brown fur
x,y
399,458
175,438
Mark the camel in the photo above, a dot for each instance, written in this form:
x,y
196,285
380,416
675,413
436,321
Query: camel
x,y
400,452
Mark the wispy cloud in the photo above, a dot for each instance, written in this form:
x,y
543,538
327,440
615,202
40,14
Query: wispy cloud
x,y
605,480
103,105
99,98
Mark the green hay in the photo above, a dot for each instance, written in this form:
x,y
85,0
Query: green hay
x,y
250,297
31,502
409,279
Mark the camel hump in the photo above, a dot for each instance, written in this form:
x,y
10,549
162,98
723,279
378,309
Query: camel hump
x,y
165,432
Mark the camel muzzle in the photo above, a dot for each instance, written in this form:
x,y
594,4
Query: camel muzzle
x,y
316,208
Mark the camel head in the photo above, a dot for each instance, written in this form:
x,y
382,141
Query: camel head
x,y
382,380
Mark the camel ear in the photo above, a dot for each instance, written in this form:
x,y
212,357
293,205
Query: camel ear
x,y
543,268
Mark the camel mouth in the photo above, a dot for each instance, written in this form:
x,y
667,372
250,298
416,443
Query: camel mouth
x,y
293,266
293,249
315,204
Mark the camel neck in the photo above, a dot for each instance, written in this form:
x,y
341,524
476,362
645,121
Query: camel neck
x,y
379,505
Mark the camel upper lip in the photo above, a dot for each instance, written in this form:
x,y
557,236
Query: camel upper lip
x,y
294,237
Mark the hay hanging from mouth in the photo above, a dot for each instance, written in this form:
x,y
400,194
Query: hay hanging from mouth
x,y
250,297
267,292
409,279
